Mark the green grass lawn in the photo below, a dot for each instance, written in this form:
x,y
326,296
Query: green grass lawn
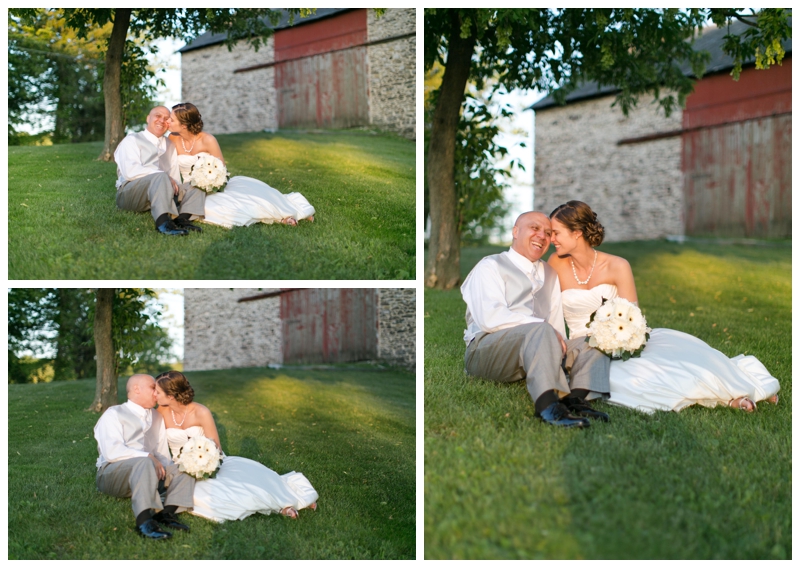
x,y
702,483
350,431
64,222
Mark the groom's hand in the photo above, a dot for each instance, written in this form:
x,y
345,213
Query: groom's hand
x,y
175,187
159,468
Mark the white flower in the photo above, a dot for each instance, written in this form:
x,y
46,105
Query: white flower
x,y
618,329
208,173
199,457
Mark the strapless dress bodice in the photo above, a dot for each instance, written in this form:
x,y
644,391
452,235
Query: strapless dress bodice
x,y
579,304
185,163
177,437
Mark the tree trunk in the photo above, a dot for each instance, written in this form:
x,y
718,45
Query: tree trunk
x,y
106,391
443,268
111,83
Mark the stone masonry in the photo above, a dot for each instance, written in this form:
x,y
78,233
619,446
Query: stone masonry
x,y
635,189
392,71
228,101
220,333
248,102
397,328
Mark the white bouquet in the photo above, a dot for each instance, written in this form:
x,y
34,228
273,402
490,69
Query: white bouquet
x,y
618,329
208,173
199,457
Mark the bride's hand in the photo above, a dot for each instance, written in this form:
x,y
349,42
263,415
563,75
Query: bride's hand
x,y
562,342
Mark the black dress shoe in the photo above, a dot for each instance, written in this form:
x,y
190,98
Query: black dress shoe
x,y
559,415
184,224
170,520
169,228
150,529
580,408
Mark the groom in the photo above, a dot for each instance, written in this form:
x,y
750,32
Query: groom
x,y
148,178
515,330
134,461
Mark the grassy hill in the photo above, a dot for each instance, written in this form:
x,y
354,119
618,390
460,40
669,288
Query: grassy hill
x,y
64,222
703,483
350,431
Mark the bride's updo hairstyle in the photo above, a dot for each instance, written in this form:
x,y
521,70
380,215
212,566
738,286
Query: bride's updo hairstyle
x,y
175,384
577,216
189,116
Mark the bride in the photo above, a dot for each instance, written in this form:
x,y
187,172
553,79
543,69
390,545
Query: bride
x,y
245,200
242,486
675,369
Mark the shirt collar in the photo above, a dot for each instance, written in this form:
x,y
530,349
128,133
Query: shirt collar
x,y
523,263
152,137
138,410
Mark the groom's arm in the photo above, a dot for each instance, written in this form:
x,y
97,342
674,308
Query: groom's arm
x,y
161,452
111,441
484,293
129,161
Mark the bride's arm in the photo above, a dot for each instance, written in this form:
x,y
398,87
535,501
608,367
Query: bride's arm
x,y
623,279
211,146
207,422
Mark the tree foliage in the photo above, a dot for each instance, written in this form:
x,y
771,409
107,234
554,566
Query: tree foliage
x,y
636,50
251,25
56,73
55,325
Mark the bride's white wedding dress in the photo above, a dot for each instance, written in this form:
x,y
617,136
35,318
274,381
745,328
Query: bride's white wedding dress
x,y
246,200
675,369
242,486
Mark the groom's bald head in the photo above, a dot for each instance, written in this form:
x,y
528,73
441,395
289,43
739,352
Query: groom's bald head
x,y
158,121
141,390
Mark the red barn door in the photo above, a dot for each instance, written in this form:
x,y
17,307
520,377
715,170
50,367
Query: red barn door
x,y
329,325
320,74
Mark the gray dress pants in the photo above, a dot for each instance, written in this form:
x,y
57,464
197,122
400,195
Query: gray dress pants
x,y
532,352
136,479
154,193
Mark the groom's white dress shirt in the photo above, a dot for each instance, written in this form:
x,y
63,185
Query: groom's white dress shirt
x,y
116,443
484,293
130,162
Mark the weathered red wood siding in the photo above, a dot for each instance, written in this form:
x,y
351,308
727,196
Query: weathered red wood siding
x,y
321,74
329,325
737,154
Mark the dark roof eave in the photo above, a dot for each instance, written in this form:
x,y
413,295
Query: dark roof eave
x,y
208,39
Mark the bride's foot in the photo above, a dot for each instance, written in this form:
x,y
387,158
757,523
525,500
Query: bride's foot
x,y
311,218
289,221
773,399
743,403
313,506
290,512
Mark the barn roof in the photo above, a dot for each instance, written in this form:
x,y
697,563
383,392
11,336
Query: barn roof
x,y
208,38
711,41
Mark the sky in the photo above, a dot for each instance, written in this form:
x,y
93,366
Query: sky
x,y
519,128
172,317
167,53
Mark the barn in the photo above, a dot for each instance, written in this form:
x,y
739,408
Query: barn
x,y
337,68
719,167
233,328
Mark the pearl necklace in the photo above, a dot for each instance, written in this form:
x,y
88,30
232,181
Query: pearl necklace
x,y
175,421
575,274
184,145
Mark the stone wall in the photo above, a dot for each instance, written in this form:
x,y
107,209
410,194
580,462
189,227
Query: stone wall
x,y
397,328
228,101
392,71
636,190
220,333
